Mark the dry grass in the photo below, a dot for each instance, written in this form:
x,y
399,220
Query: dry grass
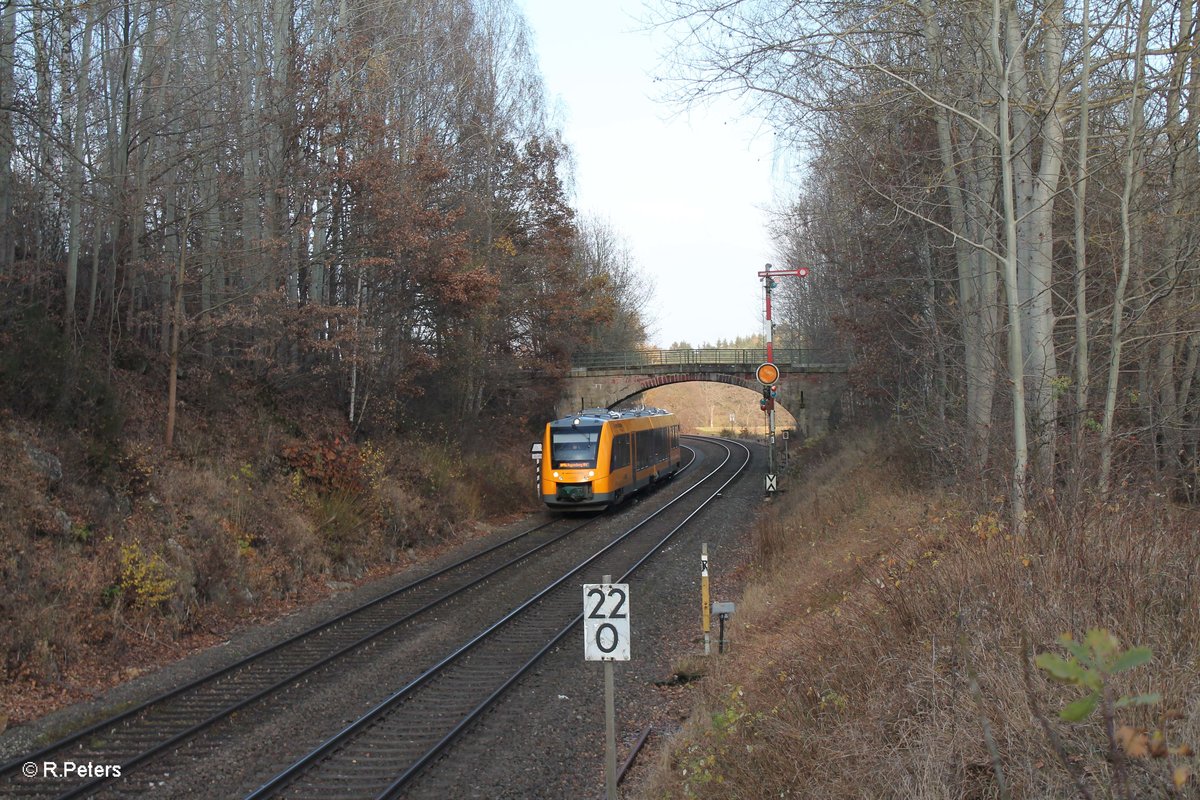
x,y
138,555
876,605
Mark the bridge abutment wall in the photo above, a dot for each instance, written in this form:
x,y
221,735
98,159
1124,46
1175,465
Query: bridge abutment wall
x,y
809,396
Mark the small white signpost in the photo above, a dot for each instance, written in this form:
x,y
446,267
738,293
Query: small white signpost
x,y
535,452
606,621
606,638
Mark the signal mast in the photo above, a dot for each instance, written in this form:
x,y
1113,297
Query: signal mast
x,y
768,373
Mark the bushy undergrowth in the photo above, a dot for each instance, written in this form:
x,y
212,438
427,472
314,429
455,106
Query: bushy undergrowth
x,y
888,649
129,551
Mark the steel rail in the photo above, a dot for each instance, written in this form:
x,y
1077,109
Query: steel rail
x,y
66,741
213,678
227,711
627,764
475,713
286,777
249,661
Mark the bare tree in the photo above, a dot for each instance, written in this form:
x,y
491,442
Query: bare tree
x,y
998,90
8,38
1131,182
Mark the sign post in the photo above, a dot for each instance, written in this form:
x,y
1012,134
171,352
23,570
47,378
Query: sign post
x,y
705,619
606,638
535,452
723,611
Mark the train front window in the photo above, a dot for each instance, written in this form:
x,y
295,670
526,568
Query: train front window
x,y
575,448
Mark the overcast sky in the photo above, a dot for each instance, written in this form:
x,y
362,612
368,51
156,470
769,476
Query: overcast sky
x,y
687,191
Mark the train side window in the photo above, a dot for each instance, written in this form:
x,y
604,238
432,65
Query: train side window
x,y
620,452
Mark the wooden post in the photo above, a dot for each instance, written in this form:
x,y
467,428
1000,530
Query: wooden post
x,y
610,728
705,619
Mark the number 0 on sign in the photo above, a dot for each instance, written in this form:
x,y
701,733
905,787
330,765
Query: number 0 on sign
x,y
606,621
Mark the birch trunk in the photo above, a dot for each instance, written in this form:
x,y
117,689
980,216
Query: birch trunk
x,y
975,268
1181,137
1131,183
1082,349
121,92
43,113
1016,372
251,188
358,295
1035,192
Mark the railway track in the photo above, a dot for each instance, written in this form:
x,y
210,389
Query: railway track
x,y
158,728
384,749
133,737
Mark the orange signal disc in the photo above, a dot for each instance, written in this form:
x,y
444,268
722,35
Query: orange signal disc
x,y
767,373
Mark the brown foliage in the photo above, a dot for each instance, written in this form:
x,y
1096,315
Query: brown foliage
x,y
332,465
850,674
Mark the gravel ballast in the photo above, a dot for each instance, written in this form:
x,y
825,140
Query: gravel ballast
x,y
545,738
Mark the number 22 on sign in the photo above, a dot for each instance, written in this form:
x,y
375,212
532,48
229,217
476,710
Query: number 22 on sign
x,y
606,622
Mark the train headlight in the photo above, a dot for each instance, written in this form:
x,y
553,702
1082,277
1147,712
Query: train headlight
x,y
591,473
555,474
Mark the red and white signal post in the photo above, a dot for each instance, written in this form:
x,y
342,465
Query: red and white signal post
x,y
768,373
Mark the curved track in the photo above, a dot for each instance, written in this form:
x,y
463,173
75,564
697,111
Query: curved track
x,y
162,723
381,751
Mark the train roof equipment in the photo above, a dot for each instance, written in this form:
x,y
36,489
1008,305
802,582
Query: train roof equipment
x,y
605,414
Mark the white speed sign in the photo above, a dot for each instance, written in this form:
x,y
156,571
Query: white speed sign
x,y
606,621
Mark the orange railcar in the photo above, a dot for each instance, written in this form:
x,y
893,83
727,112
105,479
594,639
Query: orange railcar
x,y
599,457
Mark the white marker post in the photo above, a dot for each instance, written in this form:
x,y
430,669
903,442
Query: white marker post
x,y
606,638
535,452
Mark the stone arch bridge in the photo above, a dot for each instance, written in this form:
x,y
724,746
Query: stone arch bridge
x,y
810,386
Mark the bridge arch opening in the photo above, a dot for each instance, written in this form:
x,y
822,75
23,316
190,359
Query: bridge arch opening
x,y
716,404
810,387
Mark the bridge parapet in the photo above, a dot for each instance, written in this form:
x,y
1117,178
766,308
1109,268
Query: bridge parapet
x,y
798,358
810,384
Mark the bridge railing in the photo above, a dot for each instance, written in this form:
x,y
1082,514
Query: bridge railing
x,y
783,356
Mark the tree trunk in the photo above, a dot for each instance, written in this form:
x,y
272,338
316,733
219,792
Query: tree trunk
x,y
176,328
1035,191
1016,371
1181,137
355,348
1082,349
1132,182
975,268
75,173
8,38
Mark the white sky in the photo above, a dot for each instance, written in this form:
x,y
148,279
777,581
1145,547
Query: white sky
x,y
687,191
